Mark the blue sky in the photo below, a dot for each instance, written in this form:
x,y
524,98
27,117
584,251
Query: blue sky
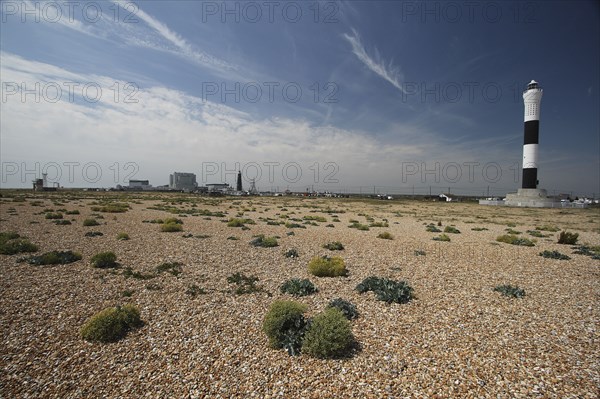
x,y
347,96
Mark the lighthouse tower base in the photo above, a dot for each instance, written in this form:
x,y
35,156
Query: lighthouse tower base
x,y
531,198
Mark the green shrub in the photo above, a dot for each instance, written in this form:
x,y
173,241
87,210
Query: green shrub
x,y
54,258
441,237
54,216
385,235
235,222
511,231
284,325
568,238
386,290
379,224
334,246
111,324
175,268
171,227
244,284
291,253
298,287
359,226
514,240
509,290
73,212
90,222
451,230
104,260
347,308
328,335
12,243
327,267
127,293
62,222
264,242
122,236
479,229
554,255
432,229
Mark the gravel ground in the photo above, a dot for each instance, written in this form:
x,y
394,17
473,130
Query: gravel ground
x,y
457,339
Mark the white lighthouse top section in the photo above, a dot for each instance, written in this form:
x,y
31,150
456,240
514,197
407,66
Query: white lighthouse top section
x,y
532,97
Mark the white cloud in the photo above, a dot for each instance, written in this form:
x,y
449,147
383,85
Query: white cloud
x,y
376,64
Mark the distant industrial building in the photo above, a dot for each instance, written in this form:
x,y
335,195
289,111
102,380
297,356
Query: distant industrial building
x,y
139,185
183,181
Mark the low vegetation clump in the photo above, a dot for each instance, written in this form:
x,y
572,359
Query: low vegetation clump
x,y
175,268
122,236
113,207
546,227
93,234
479,229
432,228
236,222
514,240
328,335
554,255
510,290
511,231
194,290
347,308
73,212
451,230
386,290
334,246
420,252
12,243
291,225
129,272
536,233
62,222
593,251
104,260
244,284
291,253
359,226
284,324
566,237
315,218
171,227
379,224
90,222
264,242
54,215
298,287
111,324
324,266
385,236
441,237
54,258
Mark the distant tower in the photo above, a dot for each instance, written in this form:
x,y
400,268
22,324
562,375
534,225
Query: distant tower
x,y
239,181
532,98
253,189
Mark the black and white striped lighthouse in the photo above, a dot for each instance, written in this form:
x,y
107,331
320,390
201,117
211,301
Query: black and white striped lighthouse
x,y
532,98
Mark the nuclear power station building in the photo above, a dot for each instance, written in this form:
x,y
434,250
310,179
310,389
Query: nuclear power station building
x,y
183,181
